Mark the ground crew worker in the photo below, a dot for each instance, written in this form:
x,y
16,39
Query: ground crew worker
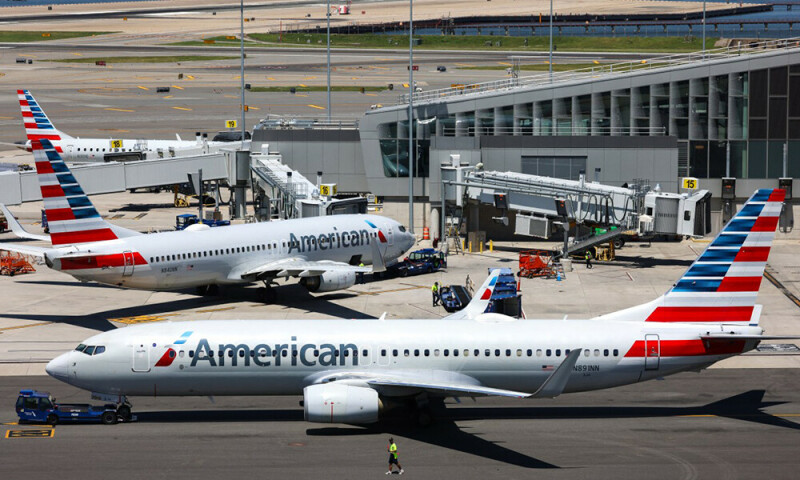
x,y
392,449
360,274
588,260
435,293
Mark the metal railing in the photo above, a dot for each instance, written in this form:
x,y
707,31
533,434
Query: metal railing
x,y
603,70
552,130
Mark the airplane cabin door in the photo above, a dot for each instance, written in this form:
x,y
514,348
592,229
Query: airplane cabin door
x,y
127,263
141,357
652,352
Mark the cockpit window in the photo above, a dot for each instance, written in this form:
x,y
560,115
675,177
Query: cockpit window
x,y
89,350
401,228
100,349
80,347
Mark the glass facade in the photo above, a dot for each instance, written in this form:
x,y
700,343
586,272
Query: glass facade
x,y
741,124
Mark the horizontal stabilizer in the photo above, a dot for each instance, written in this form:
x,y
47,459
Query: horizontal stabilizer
x,y
557,381
17,229
25,249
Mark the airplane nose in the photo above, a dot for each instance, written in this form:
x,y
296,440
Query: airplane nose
x,y
58,368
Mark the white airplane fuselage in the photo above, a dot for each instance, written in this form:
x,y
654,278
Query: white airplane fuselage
x,y
281,357
221,255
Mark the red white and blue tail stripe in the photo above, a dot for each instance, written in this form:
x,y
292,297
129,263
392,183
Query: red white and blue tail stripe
x,y
37,125
721,286
71,217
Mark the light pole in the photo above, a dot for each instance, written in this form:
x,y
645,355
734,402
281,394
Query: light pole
x,y
551,41
411,153
328,16
241,35
704,28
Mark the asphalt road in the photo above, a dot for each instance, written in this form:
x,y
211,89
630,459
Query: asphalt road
x,y
721,424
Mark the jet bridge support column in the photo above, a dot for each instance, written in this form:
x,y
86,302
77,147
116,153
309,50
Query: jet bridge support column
x,y
242,171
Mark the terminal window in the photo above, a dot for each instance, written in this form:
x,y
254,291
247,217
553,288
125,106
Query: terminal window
x,y
565,167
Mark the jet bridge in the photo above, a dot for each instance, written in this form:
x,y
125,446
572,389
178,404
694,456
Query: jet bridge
x,y
281,192
542,205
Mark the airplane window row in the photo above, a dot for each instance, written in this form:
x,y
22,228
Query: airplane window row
x,y
90,349
427,352
214,253
498,352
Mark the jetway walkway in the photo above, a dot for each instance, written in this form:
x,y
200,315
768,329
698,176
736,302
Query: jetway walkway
x,y
547,205
96,178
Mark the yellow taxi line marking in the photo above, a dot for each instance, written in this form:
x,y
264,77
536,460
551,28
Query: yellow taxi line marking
x,y
120,110
31,433
178,87
300,95
168,97
270,78
183,108
463,64
505,63
368,94
232,96
142,318
141,87
10,423
316,106
307,78
303,85
7,118
253,108
190,77
220,309
25,326
77,54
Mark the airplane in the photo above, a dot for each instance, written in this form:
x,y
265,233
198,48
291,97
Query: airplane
x,y
75,149
350,371
323,252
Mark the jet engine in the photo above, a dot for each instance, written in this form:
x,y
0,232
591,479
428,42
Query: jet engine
x,y
332,403
329,281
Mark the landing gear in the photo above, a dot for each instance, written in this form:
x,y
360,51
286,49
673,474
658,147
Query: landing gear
x,y
267,292
424,407
124,411
207,290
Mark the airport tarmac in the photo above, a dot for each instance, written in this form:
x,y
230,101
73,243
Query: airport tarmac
x,y
719,424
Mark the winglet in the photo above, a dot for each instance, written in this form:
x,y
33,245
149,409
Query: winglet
x,y
557,381
17,229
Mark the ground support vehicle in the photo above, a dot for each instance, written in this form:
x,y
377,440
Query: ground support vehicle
x,y
35,406
14,263
187,219
537,263
426,260
454,297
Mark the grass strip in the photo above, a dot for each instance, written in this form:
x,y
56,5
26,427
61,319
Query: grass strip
x,y
21,37
148,59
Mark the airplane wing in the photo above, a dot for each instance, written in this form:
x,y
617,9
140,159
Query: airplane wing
x,y
454,385
479,301
25,249
17,229
297,267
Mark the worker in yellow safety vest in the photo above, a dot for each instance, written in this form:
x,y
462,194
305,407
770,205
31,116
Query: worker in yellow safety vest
x,y
392,449
435,293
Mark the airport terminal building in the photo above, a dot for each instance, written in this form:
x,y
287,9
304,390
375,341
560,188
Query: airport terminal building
x,y
730,112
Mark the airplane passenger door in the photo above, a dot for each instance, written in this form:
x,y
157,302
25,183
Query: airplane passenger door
x,y
141,357
127,263
652,352
390,236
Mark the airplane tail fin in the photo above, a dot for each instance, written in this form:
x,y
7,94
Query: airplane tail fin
x,y
71,217
37,125
721,286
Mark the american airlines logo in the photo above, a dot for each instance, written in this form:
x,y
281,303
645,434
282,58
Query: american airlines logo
x,y
265,355
336,239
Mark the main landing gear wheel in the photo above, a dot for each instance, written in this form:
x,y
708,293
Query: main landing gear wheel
x,y
52,419
267,293
207,290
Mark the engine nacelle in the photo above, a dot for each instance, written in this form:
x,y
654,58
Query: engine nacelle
x,y
329,281
332,403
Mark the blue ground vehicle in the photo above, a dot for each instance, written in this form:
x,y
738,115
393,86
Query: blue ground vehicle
x,y
35,406
505,297
184,220
426,260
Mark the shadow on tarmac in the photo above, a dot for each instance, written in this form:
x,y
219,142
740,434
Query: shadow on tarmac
x,y
446,433
292,296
